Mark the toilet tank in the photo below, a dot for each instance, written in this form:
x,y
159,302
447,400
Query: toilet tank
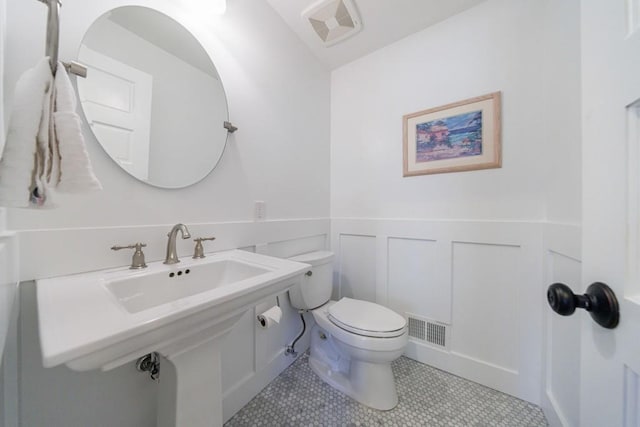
x,y
316,286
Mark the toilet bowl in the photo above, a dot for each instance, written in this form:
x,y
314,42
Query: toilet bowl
x,y
353,342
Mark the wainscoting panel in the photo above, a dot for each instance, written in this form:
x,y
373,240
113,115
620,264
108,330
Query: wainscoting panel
x,y
561,393
9,267
357,266
415,284
238,347
485,316
478,280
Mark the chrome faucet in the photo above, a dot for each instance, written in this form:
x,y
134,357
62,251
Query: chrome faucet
x,y
172,257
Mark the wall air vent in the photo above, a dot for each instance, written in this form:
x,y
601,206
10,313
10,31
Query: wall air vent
x,y
428,331
333,20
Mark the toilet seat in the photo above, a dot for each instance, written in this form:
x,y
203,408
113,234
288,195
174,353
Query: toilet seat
x,y
366,318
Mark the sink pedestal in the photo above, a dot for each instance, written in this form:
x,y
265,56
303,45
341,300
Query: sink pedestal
x,y
190,392
190,383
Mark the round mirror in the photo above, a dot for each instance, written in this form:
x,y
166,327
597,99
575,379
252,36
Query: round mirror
x,y
152,97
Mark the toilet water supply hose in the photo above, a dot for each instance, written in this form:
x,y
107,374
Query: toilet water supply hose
x,y
291,349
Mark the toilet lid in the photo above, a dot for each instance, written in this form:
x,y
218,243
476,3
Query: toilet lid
x,y
366,318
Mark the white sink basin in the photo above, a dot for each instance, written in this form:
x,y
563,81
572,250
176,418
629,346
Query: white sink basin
x,y
104,319
137,292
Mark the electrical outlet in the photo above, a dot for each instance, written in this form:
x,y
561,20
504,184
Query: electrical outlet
x,y
260,210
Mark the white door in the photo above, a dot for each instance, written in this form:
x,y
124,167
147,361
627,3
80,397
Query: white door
x,y
610,365
116,99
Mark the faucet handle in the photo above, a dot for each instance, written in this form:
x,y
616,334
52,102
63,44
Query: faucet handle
x,y
137,261
199,250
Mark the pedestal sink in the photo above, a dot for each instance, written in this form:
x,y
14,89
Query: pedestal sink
x,y
104,319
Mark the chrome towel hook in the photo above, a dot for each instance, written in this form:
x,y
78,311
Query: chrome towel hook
x,y
53,39
53,32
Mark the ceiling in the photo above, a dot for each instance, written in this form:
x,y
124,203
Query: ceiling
x,y
383,22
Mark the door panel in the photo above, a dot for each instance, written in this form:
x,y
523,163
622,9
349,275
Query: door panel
x,y
610,85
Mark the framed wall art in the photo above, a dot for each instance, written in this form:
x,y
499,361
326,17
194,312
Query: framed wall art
x,y
462,136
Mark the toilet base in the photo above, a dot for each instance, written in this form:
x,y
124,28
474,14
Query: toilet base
x,y
371,384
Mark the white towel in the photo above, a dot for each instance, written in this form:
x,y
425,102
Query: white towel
x,y
76,174
18,162
45,148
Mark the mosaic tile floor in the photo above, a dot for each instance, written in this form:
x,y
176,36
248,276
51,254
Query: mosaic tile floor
x,y
428,397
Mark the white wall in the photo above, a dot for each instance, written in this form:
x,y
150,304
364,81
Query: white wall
x,y
6,289
492,47
3,24
8,280
562,231
270,79
561,97
465,250
5,299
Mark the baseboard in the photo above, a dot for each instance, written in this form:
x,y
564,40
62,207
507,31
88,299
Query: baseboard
x,y
504,380
552,411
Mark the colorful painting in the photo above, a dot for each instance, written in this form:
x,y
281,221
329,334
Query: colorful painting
x,y
456,137
449,137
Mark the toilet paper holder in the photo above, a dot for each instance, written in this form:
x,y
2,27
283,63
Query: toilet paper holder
x,y
270,317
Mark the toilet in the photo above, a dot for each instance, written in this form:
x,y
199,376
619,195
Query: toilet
x,y
353,342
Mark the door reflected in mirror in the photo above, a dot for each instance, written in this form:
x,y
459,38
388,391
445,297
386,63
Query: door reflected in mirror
x,y
153,98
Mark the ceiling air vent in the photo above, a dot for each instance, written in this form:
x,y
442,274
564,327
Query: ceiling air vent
x,y
333,20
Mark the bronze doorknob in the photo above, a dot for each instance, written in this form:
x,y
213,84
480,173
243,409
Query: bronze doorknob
x,y
599,300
